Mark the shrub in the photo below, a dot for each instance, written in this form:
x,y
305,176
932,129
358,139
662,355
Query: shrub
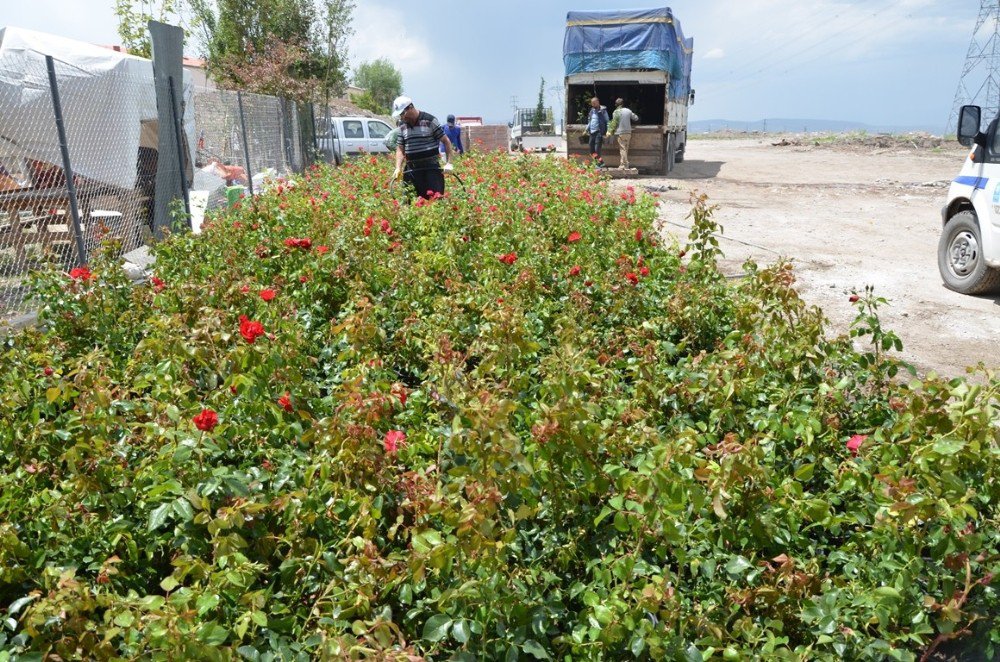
x,y
336,425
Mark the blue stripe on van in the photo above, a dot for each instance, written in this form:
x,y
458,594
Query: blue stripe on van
x,y
974,182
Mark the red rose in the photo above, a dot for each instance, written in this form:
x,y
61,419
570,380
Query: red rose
x,y
854,443
574,270
81,273
48,371
394,440
508,258
854,298
644,271
206,420
303,279
574,237
267,294
250,330
158,284
386,228
322,249
285,401
638,234
632,278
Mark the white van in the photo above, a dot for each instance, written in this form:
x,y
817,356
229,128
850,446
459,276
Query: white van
x,y
340,137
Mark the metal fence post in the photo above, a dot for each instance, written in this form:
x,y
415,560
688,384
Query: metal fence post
x,y
81,248
180,151
314,157
246,146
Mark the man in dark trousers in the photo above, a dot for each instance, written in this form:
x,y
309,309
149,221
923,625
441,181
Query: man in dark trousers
x,y
419,135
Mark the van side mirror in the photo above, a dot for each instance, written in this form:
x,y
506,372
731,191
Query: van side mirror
x,y
691,99
969,119
510,125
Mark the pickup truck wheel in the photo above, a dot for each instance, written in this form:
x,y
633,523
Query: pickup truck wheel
x,y
960,257
679,157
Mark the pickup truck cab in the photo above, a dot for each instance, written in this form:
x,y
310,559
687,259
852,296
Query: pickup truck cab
x,y
341,137
969,248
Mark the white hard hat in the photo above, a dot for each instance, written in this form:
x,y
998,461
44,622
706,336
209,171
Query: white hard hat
x,y
400,104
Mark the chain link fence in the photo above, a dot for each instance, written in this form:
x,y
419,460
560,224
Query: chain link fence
x,y
110,140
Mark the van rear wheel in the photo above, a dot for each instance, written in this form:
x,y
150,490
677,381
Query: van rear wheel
x,y
960,257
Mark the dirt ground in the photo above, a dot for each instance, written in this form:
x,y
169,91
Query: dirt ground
x,y
848,216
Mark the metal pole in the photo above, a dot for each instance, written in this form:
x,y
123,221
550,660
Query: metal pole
x,y
180,150
81,248
246,146
312,117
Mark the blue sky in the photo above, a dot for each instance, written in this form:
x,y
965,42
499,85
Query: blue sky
x,y
884,62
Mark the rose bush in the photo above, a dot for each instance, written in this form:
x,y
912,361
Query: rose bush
x,y
508,423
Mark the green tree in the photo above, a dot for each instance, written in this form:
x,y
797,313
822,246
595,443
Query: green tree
x,y
134,17
382,82
300,42
540,108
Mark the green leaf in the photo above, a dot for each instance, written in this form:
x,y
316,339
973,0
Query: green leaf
x,y
535,649
460,631
436,627
158,517
738,565
948,446
169,583
213,634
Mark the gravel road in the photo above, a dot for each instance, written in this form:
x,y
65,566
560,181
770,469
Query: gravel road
x,y
848,217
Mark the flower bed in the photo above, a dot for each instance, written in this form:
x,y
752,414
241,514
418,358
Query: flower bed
x,y
505,424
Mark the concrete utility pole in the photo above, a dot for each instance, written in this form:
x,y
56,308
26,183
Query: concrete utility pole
x,y
980,80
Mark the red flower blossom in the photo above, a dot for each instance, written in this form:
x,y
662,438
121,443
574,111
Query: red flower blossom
x,y
632,278
206,420
322,249
854,443
854,298
394,440
304,243
81,274
245,289
574,237
588,283
250,330
644,271
638,234
508,258
267,294
574,270
158,283
48,371
386,227
285,401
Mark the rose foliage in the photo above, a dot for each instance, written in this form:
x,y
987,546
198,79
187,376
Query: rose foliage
x,y
599,448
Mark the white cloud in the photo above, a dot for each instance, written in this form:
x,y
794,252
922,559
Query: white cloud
x,y
380,32
715,54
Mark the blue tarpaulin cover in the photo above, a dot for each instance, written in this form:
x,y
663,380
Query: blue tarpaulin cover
x,y
628,39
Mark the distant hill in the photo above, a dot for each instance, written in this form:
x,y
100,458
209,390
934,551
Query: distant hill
x,y
782,125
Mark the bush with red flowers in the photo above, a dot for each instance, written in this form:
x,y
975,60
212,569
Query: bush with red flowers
x,y
583,449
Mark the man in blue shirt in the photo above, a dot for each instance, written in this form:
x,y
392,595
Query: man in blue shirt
x,y
454,133
597,126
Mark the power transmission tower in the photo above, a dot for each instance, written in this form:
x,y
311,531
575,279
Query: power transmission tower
x,y
980,81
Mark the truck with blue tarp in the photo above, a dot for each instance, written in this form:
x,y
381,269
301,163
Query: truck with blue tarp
x,y
642,57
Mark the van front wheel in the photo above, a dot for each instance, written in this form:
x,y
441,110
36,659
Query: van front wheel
x,y
960,257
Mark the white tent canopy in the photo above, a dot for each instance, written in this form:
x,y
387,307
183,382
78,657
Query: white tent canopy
x,y
108,102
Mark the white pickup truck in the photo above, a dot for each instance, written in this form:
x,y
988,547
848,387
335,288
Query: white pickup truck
x,y
969,249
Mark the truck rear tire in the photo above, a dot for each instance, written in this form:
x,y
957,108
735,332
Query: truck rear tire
x,y
679,155
960,257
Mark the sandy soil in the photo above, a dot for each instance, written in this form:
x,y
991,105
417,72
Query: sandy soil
x,y
847,217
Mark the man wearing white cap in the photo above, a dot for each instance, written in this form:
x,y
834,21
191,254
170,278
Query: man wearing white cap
x,y
419,136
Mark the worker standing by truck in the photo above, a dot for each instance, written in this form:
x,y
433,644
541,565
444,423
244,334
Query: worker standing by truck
x,y
597,126
621,127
